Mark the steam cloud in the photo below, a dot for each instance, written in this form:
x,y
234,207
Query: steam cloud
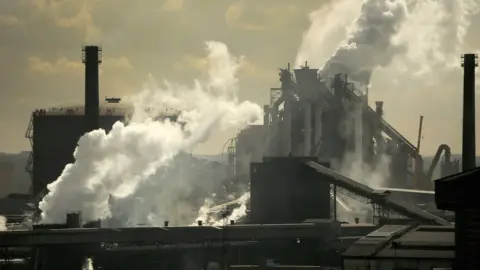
x,y
427,38
370,44
128,167
416,37
3,223
410,44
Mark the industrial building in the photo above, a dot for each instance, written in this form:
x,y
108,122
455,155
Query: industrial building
x,y
297,191
53,147
54,132
403,247
312,123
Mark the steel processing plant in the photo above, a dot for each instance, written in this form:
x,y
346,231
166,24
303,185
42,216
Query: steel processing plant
x,y
304,209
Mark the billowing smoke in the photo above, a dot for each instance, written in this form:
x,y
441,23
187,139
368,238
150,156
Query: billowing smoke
x,y
87,264
328,28
130,168
217,216
404,50
3,223
413,46
370,43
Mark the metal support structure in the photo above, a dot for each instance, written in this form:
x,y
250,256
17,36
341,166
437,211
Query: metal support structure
x,y
335,203
29,136
230,148
418,173
275,94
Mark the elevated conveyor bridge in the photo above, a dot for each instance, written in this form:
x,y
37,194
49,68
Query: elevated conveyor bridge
x,y
364,193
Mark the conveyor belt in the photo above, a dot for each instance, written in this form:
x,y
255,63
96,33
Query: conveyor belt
x,y
379,199
386,127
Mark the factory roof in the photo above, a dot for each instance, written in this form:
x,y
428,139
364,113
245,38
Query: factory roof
x,y
110,109
457,191
405,242
169,235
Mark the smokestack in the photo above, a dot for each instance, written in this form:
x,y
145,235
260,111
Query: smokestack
x,y
468,145
91,57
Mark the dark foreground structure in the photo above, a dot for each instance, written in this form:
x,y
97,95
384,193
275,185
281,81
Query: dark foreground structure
x,y
459,192
403,247
307,232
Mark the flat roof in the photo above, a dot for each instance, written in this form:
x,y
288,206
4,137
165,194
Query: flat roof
x,y
421,242
109,109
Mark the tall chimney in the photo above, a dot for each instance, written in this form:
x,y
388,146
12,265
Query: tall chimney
x,y
468,145
91,57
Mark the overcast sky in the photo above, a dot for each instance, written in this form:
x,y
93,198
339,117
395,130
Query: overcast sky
x,y
40,52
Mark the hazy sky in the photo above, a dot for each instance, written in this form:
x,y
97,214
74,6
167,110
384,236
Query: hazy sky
x,y
40,52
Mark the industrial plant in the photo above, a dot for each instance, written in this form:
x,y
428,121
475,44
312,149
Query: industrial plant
x,y
306,209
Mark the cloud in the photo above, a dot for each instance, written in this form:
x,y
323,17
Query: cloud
x,y
9,20
64,65
247,69
172,5
191,62
253,15
71,15
44,57
234,18
117,63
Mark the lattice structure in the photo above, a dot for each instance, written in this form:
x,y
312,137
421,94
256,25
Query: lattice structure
x,y
29,136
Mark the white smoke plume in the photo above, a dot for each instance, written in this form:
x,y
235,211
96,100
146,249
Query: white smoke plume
x,y
130,165
328,28
370,42
213,216
374,175
416,37
3,223
87,264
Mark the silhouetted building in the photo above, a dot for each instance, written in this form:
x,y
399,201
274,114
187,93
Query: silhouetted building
x,y
459,192
54,134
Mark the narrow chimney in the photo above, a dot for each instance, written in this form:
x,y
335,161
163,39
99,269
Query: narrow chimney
x,y
91,57
468,145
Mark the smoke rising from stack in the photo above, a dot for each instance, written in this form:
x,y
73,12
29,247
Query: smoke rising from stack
x,y
370,43
413,46
417,36
128,166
